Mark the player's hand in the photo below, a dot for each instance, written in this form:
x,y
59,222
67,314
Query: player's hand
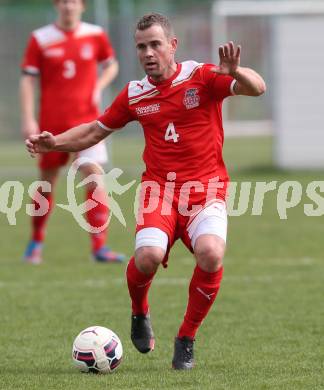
x,y
29,128
229,59
41,143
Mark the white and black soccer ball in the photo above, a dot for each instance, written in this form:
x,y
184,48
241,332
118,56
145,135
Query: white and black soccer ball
x,y
98,350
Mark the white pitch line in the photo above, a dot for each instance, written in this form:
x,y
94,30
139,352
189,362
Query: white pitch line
x,y
104,283
284,261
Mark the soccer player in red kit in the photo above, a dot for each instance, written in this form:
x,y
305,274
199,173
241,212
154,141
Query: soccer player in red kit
x,y
179,108
65,56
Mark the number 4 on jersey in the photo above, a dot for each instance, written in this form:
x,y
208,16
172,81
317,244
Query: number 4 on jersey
x,y
171,133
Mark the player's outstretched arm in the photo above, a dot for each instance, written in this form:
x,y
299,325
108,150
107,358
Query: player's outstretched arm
x,y
73,140
248,82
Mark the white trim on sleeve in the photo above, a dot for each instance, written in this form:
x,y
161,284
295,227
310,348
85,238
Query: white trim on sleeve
x,y
31,70
232,87
108,61
103,126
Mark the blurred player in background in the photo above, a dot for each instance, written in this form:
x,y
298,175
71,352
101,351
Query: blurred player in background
x,y
63,57
179,106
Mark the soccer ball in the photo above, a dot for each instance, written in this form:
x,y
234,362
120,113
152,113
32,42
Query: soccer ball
x,y
98,350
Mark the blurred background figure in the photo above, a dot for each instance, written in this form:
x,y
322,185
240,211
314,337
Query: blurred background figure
x,y
63,58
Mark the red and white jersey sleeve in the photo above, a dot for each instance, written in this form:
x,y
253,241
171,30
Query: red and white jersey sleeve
x,y
32,58
118,114
220,86
106,53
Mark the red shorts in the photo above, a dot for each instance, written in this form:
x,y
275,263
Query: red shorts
x,y
171,213
53,160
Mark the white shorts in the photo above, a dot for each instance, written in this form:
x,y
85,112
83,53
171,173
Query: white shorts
x,y
211,220
151,237
97,153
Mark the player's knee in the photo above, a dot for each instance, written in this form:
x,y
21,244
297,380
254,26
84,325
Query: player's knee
x,y
91,186
149,258
210,254
94,173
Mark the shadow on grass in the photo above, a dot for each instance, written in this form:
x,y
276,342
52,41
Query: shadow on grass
x,y
140,370
40,371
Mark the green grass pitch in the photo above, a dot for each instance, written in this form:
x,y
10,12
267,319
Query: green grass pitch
x,y
265,330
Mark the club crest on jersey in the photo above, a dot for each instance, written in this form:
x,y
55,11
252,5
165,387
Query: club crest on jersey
x,y
86,52
191,98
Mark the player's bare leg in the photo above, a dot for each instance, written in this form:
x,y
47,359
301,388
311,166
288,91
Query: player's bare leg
x,y
209,252
33,253
95,190
140,273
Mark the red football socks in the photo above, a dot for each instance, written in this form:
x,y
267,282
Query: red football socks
x,y
98,216
138,287
39,221
203,290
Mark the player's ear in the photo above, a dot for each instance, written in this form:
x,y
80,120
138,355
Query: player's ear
x,y
174,45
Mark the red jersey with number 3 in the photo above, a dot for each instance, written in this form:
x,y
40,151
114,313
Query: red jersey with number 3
x,y
182,122
66,62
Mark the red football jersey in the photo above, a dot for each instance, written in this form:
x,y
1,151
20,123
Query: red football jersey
x,y
66,62
182,122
